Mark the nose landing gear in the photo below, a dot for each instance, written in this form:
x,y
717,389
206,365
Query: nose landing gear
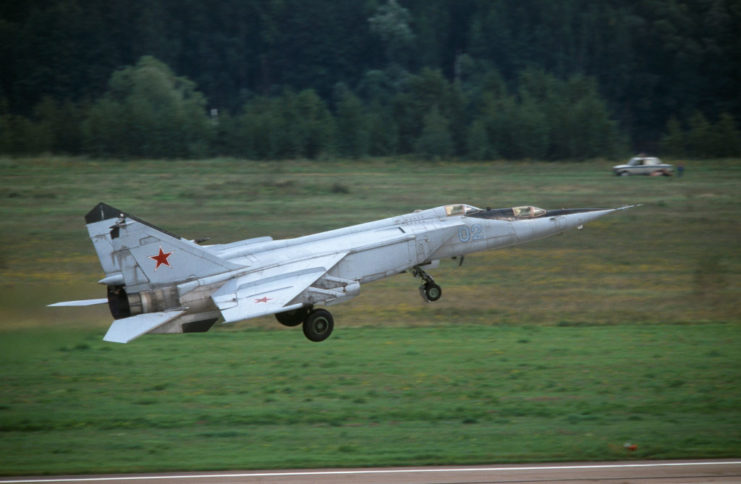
x,y
429,290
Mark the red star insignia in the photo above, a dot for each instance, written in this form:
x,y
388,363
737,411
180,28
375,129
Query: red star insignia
x,y
263,299
161,258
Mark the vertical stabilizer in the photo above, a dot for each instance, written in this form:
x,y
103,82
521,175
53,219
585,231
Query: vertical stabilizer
x,y
140,256
99,222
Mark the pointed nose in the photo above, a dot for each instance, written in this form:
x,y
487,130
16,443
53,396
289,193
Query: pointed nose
x,y
577,219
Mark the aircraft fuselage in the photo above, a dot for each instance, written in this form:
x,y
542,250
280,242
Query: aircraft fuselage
x,y
158,282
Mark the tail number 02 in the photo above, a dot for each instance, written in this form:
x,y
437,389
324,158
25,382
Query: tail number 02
x,y
467,234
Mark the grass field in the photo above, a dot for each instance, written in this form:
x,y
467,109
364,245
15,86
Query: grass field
x,y
564,349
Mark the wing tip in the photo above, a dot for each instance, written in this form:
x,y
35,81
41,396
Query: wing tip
x,y
128,329
81,302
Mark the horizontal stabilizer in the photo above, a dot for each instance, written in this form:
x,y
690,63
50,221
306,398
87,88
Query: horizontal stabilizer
x,y
81,302
127,329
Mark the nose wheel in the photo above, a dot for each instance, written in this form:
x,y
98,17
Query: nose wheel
x,y
429,290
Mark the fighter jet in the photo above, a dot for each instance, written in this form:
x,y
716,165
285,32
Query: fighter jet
x,y
158,282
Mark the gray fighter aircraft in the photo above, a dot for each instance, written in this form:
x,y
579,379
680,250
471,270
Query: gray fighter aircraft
x,y
161,283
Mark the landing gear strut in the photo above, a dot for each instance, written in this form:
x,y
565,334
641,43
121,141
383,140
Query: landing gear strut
x,y
429,290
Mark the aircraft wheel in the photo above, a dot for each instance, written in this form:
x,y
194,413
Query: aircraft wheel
x,y
293,318
432,291
318,325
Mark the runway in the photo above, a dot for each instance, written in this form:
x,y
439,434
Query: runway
x,y
698,471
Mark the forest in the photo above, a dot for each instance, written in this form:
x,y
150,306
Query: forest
x,y
434,79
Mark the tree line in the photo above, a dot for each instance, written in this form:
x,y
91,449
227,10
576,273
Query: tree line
x,y
149,111
435,78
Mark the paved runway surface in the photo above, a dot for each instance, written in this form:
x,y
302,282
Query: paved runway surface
x,y
700,471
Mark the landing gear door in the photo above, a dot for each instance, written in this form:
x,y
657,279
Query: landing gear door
x,y
423,248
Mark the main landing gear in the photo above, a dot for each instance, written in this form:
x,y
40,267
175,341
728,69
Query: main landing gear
x,y
317,323
429,290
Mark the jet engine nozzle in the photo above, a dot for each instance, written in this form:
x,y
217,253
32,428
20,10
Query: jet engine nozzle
x,y
123,305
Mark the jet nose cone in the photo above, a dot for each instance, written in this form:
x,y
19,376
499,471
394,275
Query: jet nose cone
x,y
599,212
581,218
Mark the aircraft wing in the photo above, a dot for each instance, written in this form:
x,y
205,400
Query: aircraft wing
x,y
125,329
270,291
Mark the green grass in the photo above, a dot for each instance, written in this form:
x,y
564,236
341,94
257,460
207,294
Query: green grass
x,y
564,349
375,396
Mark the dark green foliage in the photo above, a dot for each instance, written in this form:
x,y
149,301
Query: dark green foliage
x,y
21,135
478,146
288,126
703,138
148,111
352,125
435,141
583,75
699,132
61,123
419,95
54,126
546,119
390,23
673,142
727,137
314,125
382,132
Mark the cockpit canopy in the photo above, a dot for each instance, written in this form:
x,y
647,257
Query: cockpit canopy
x,y
522,212
460,209
527,212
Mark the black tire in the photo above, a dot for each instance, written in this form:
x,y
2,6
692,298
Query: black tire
x,y
433,292
318,325
293,318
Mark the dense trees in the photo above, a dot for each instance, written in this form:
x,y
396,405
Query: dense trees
x,y
436,78
148,111
701,138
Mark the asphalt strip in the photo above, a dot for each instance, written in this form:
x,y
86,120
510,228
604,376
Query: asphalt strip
x,y
375,472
